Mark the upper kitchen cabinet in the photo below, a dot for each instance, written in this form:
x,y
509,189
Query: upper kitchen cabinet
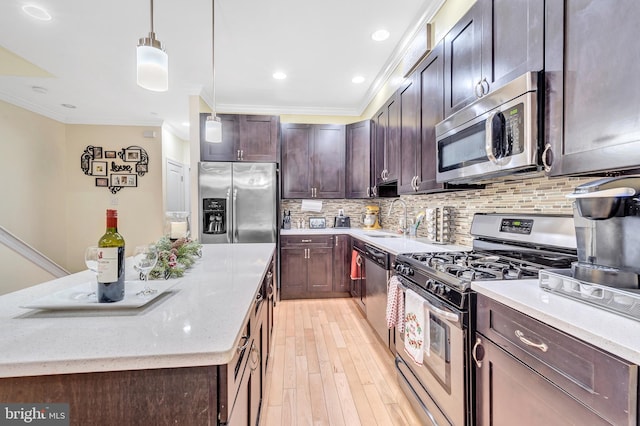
x,y
244,138
313,160
409,101
592,89
494,42
358,163
387,142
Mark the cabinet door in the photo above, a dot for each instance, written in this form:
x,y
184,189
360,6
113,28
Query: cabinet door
x,y
358,164
341,263
259,138
512,40
463,54
293,272
327,160
320,270
241,407
592,87
509,393
226,150
431,76
392,142
408,97
296,151
381,122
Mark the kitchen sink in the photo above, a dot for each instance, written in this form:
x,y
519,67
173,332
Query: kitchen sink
x,y
384,236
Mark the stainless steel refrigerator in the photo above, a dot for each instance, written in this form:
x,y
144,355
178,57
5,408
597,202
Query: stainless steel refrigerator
x,y
238,202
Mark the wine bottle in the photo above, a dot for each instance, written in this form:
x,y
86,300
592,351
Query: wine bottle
x,y
111,262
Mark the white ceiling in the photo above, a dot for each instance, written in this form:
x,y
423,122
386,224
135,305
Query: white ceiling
x,y
89,50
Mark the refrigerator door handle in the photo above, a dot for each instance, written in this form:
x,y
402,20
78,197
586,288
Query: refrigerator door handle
x,y
235,222
229,227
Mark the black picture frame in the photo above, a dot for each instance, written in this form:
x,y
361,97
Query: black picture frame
x,y
109,154
317,223
124,180
97,152
132,155
102,181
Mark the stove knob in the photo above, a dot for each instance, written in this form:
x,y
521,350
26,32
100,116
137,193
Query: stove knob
x,y
442,290
398,267
430,284
437,288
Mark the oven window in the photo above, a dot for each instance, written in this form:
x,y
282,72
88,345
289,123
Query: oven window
x,y
437,355
463,149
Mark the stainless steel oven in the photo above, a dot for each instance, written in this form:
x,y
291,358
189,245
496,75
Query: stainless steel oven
x,y
494,136
438,385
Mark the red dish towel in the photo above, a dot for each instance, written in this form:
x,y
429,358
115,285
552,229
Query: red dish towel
x,y
356,268
395,305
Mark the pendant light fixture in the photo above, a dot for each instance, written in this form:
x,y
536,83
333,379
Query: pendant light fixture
x,y
153,62
213,126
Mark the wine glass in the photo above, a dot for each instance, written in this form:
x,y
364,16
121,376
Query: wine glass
x,y
91,260
144,260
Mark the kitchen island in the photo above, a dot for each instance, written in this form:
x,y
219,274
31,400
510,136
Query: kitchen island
x,y
156,364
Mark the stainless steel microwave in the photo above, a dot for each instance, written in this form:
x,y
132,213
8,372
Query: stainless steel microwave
x,y
494,136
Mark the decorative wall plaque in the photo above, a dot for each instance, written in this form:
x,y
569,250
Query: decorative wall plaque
x,y
116,169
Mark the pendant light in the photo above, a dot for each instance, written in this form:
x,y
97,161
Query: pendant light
x,y
153,62
213,126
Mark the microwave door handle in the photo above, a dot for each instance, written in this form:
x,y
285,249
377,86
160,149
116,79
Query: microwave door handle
x,y
492,136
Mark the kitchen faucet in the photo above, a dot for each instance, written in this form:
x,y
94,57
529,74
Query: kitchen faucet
x,y
404,227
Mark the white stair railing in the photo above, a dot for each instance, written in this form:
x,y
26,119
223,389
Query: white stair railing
x,y
31,254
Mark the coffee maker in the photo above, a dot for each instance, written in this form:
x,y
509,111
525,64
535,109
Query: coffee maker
x,y
607,222
371,218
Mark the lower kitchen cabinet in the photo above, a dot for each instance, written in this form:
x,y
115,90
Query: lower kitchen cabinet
x,y
308,265
341,263
528,373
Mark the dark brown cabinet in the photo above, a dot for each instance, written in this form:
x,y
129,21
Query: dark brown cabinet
x,y
341,263
244,138
313,160
528,373
358,161
387,142
592,89
494,42
409,101
306,266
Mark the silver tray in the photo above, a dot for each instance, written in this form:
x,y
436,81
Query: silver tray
x,y
624,302
83,296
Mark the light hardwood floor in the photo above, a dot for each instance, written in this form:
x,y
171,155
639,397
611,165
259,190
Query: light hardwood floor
x,y
328,368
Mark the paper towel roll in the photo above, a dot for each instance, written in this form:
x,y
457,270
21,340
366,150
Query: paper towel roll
x,y
311,206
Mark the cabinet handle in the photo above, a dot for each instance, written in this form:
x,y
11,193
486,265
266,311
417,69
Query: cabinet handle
x,y
368,191
308,253
306,241
255,357
242,154
482,84
547,155
479,89
475,352
336,238
374,191
242,347
542,346
238,154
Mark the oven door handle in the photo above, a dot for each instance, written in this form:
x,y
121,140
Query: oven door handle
x,y
442,313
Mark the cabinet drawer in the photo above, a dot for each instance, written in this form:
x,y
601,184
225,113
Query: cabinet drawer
x,y
306,241
599,380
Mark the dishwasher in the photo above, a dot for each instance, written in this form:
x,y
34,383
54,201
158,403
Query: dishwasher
x,y
378,267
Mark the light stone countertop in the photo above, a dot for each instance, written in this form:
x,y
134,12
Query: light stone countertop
x,y
196,323
395,244
613,333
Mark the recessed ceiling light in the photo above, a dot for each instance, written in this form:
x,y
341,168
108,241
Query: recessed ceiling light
x,y
39,89
357,79
36,12
279,75
380,35
69,106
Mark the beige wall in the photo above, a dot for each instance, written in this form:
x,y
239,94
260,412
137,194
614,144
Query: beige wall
x,y
49,203
140,210
32,166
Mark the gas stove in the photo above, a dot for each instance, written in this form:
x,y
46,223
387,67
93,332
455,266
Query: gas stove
x,y
505,247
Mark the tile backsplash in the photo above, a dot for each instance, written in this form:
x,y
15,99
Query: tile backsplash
x,y
532,195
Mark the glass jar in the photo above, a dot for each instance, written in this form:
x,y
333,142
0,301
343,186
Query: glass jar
x,y
177,225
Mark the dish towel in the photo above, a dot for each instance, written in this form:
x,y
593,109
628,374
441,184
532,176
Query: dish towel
x,y
356,269
395,305
414,326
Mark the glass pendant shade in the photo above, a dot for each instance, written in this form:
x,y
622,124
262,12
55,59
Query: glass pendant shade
x,y
213,129
153,65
